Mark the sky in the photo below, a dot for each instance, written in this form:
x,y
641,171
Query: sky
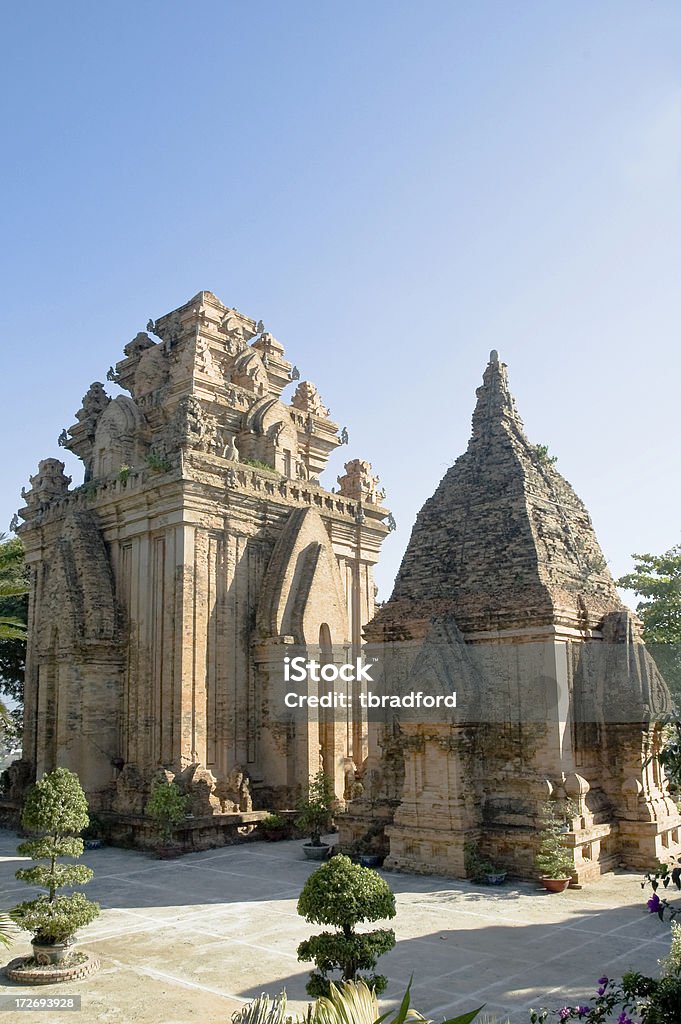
x,y
394,189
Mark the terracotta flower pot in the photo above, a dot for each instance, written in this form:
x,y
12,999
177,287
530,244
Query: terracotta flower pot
x,y
555,884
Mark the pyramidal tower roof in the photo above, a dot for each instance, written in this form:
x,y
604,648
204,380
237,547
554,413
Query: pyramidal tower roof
x,y
504,542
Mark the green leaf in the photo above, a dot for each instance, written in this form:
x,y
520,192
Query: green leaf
x,y
464,1018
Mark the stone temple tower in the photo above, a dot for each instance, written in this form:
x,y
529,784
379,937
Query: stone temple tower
x,y
200,546
504,596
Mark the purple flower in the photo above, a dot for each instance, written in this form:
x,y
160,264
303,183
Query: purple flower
x,y
654,903
565,1013
582,1010
604,980
623,1019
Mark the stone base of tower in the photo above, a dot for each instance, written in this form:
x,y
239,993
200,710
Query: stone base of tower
x,y
426,851
643,843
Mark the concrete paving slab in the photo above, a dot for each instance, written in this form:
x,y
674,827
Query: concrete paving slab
x,y
193,939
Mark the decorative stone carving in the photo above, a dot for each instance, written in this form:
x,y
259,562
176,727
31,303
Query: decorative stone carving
x,y
235,792
138,345
249,372
94,403
359,483
170,330
49,484
204,359
18,779
199,784
307,399
195,428
236,331
121,438
132,791
152,371
231,451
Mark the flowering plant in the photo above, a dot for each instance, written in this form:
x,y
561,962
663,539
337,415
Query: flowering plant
x,y
665,875
609,997
636,999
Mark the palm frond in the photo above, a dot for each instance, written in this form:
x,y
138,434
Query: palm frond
x,y
353,1002
262,1010
8,930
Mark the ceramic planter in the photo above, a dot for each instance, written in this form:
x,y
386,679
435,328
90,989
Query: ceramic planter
x,y
320,852
371,860
495,878
54,953
555,884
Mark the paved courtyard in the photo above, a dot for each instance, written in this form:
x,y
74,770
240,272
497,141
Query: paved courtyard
x,y
193,939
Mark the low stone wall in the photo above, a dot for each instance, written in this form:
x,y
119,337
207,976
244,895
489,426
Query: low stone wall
x,y
205,833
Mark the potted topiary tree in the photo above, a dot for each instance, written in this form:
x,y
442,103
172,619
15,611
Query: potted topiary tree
x,y
314,815
554,861
344,894
167,806
56,810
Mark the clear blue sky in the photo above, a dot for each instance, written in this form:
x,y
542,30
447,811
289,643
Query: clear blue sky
x,y
395,189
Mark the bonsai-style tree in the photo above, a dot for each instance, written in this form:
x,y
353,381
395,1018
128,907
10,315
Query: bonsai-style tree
x,y
56,810
315,813
553,860
344,894
167,806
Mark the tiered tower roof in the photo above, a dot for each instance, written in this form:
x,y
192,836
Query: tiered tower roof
x,y
504,542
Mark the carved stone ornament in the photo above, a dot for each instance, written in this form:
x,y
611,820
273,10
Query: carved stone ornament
x,y
137,346
359,483
307,399
94,403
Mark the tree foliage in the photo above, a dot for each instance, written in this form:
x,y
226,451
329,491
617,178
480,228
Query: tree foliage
x,y
167,806
13,618
315,812
657,580
55,810
344,894
553,860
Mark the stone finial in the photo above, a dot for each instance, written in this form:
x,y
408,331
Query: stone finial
x,y
307,399
495,407
268,344
137,346
49,484
359,483
94,403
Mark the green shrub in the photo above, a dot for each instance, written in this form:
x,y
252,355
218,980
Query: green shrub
x,y
315,813
273,821
553,860
167,806
56,809
344,894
